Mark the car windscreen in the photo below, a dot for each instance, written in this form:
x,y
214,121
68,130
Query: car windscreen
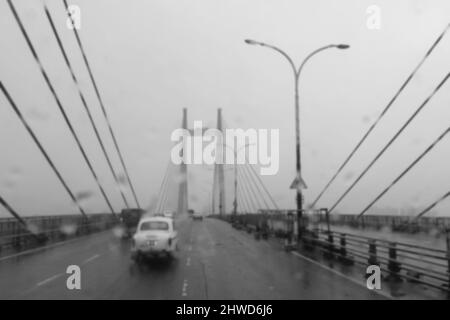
x,y
154,225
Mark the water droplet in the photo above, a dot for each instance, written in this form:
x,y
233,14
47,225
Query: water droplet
x,y
366,119
386,229
415,198
118,232
349,175
33,228
12,177
122,179
68,229
83,196
38,115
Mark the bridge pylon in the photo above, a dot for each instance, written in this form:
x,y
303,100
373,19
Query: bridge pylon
x,y
183,202
218,168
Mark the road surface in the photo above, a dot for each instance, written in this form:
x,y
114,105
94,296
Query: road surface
x,y
215,261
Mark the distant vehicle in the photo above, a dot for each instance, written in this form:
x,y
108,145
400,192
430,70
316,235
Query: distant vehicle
x,y
169,214
197,216
191,212
129,219
155,236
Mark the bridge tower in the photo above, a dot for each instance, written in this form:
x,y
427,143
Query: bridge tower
x,y
183,204
218,169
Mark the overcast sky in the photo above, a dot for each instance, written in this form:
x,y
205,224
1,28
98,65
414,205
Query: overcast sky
x,y
151,58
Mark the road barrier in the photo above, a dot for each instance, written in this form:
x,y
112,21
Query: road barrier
x,y
396,223
14,237
399,261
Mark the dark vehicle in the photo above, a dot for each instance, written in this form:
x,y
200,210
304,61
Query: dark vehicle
x,y
129,219
197,216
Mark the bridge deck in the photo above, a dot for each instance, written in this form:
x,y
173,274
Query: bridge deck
x,y
215,261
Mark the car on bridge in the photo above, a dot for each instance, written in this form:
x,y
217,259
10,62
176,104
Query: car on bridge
x,y
155,236
197,216
129,219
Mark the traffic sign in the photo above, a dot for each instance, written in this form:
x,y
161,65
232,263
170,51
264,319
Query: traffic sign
x,y
298,183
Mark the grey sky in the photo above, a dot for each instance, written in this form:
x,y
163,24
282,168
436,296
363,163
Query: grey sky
x,y
152,58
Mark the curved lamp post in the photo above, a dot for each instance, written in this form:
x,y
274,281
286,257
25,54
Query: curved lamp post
x,y
297,73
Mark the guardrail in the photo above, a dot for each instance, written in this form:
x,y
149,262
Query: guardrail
x,y
45,229
398,260
428,266
397,223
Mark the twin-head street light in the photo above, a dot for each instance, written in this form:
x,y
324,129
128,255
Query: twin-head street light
x,y
299,179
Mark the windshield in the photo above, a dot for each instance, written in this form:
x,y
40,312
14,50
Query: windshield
x,y
154,225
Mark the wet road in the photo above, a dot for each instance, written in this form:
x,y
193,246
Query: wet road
x,y
215,261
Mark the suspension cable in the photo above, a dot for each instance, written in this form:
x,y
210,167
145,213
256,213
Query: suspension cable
x,y
83,100
430,147
41,148
163,182
252,189
13,212
252,204
58,102
242,205
257,186
264,187
244,198
394,98
431,206
105,114
163,190
247,191
424,103
166,194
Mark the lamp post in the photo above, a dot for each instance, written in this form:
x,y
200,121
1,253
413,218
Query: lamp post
x,y
297,73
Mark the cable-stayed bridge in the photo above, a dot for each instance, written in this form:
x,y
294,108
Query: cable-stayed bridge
x,y
248,248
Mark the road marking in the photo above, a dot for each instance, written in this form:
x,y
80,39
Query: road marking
x,y
56,276
188,261
90,259
57,244
381,293
184,290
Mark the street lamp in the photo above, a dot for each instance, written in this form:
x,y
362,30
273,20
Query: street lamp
x,y
297,73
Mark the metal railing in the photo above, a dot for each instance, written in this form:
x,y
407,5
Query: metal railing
x,y
45,229
428,266
397,223
399,260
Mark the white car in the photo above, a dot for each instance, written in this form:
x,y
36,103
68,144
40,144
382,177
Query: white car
x,y
154,236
